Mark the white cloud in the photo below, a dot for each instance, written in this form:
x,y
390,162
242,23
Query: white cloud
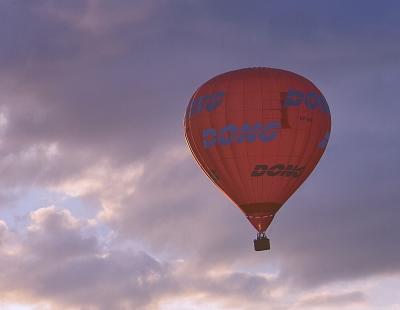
x,y
61,263
110,184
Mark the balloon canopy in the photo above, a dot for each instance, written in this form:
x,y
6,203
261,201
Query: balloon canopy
x,y
257,133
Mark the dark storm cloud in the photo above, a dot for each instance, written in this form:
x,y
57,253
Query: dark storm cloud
x,y
115,86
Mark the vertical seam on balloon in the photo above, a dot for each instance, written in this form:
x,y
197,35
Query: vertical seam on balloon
x,y
314,154
309,170
291,181
264,183
189,125
270,188
261,84
243,188
315,151
196,155
291,189
281,142
251,189
289,155
227,171
198,158
248,190
266,195
306,147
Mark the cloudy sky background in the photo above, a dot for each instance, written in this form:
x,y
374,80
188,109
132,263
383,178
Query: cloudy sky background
x,y
101,204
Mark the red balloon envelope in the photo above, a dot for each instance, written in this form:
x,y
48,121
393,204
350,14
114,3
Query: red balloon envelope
x,y
258,133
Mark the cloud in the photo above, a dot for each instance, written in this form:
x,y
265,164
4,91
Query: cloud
x,y
60,261
98,17
175,211
92,97
333,300
57,235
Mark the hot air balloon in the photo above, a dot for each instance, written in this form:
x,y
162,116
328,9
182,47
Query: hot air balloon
x,y
258,133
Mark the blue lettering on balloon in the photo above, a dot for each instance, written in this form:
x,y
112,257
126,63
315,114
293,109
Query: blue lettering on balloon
x,y
215,101
324,142
293,98
246,133
312,100
195,106
269,131
206,102
227,134
210,137
323,104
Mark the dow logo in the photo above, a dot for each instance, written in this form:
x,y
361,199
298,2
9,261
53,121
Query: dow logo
x,y
277,170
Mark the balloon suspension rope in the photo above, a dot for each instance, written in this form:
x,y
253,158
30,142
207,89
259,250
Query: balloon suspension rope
x,y
261,235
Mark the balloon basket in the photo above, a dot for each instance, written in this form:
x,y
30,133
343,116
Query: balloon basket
x,y
261,243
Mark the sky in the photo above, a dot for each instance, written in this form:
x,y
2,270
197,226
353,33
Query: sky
x,y
101,204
